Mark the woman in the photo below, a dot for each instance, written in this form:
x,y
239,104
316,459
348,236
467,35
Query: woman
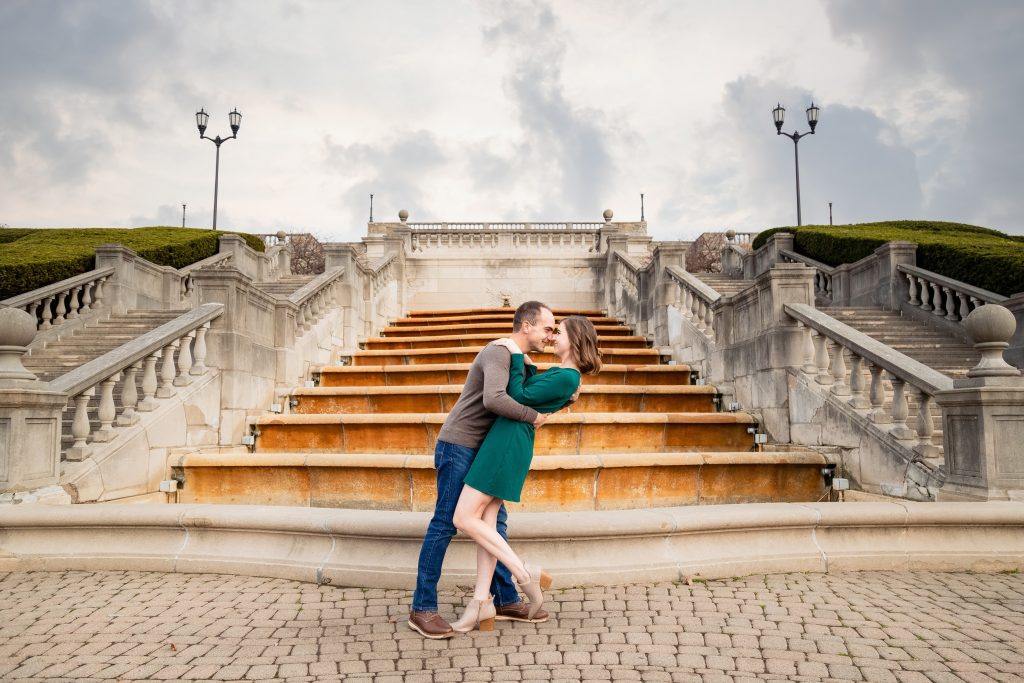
x,y
501,464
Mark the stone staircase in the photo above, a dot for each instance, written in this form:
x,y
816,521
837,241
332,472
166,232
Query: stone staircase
x,y
641,435
286,285
723,284
86,344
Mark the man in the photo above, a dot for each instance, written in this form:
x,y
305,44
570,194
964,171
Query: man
x,y
483,399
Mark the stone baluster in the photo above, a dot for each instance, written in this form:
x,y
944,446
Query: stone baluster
x,y
702,316
839,385
976,303
87,297
129,397
185,361
107,412
857,398
168,371
307,315
925,295
950,304
97,295
60,309
687,302
149,383
73,303
300,318
33,310
937,304
810,367
965,306
912,290
199,352
47,315
925,426
900,410
821,359
80,426
876,395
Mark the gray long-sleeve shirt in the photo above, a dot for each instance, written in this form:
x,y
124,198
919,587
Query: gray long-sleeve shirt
x,y
483,399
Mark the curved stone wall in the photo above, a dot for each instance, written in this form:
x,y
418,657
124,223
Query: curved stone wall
x,y
379,549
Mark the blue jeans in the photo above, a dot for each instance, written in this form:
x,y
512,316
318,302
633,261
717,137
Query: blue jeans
x,y
452,463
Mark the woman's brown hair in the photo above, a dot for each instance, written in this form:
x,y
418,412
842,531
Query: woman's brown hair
x,y
583,344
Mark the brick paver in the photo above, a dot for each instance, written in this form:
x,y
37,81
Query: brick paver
x,y
881,626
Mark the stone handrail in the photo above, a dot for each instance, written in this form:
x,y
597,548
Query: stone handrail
x,y
740,237
140,354
943,296
696,300
506,226
822,273
315,296
63,301
218,260
830,369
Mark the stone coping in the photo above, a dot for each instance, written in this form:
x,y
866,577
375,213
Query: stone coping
x,y
541,462
343,369
380,549
666,389
557,418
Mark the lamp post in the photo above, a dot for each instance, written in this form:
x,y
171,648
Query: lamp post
x,y
202,118
779,114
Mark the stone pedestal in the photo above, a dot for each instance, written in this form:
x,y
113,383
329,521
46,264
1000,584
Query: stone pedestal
x,y
983,425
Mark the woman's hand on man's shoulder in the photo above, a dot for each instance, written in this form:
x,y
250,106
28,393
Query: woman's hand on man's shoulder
x,y
507,343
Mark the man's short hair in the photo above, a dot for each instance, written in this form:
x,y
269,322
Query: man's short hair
x,y
527,311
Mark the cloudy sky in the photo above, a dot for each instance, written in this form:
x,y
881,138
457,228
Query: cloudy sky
x,y
519,110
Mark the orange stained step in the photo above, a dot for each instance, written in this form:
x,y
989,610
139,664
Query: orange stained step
x,y
493,318
610,481
455,373
479,341
476,312
467,354
497,329
442,397
564,433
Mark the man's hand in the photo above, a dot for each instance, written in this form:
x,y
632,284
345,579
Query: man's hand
x,y
507,343
541,419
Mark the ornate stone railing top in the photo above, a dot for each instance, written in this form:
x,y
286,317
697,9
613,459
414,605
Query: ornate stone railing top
x,y
695,301
56,303
504,226
125,362
314,297
847,382
822,273
943,296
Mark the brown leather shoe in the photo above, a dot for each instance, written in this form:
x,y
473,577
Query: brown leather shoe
x,y
520,611
430,624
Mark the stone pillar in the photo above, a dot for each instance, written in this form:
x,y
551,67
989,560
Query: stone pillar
x,y
30,422
119,291
350,292
983,417
892,286
768,255
666,254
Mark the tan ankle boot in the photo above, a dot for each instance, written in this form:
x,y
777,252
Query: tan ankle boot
x,y
539,581
478,613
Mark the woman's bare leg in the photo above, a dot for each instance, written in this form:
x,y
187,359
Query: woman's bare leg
x,y
485,562
469,518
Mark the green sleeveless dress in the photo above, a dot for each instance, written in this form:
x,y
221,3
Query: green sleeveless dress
x,y
501,464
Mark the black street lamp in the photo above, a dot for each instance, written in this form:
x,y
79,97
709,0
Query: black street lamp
x,y
779,114
202,118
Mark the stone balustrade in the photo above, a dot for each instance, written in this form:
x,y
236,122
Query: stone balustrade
x,y
62,302
218,260
944,297
695,300
823,274
179,347
856,369
314,298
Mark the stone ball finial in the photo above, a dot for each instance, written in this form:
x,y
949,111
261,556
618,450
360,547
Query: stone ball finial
x,y
608,214
730,234
403,215
17,330
281,235
990,327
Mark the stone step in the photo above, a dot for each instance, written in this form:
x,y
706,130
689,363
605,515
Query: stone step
x,y
467,354
478,341
723,284
562,434
496,329
487,318
497,311
441,399
455,373
609,481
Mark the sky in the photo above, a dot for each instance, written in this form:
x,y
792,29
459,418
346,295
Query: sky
x,y
510,111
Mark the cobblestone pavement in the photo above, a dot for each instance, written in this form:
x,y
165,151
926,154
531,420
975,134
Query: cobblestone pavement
x,y
124,626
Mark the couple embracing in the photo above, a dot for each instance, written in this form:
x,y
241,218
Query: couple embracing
x,y
482,458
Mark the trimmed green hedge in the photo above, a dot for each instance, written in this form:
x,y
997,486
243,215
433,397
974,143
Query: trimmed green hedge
x,y
979,256
8,235
41,257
